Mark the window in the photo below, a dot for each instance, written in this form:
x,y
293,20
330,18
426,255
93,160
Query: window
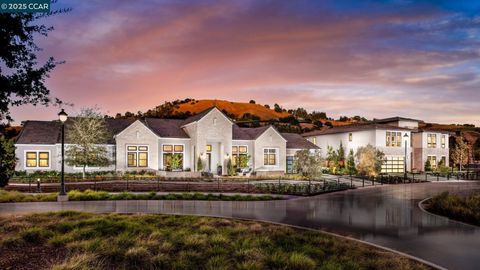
x,y
43,159
209,148
137,156
393,139
31,159
34,159
444,138
290,160
350,137
269,156
433,161
443,161
173,156
314,140
239,156
432,140
394,165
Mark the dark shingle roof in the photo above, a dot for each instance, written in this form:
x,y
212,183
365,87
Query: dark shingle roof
x,y
396,118
39,132
240,133
352,128
170,128
296,141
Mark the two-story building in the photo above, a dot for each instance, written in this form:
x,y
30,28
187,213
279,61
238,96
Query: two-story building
x,y
400,139
152,143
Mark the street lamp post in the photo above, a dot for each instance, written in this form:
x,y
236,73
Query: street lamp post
x,y
405,159
62,116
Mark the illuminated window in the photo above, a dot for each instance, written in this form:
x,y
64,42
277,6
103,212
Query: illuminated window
x,y
37,159
270,156
31,159
350,137
43,159
209,148
314,140
173,156
443,140
433,161
240,156
393,139
432,140
137,156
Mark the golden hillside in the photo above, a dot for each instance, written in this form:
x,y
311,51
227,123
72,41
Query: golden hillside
x,y
235,108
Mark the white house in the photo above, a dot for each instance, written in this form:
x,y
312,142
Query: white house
x,y
149,144
399,138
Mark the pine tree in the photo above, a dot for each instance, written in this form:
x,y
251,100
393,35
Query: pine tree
x,y
351,169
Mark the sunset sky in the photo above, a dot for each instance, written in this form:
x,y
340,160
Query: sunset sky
x,y
417,59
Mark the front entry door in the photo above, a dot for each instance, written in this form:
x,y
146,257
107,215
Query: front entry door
x,y
209,162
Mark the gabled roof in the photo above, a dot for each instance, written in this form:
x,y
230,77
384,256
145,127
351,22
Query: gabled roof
x,y
49,132
39,132
353,128
202,114
296,141
395,119
169,128
240,133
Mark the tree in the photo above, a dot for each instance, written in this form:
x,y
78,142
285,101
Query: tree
x,y
351,169
370,160
428,165
199,164
87,135
230,168
22,79
252,101
459,152
308,164
8,160
341,153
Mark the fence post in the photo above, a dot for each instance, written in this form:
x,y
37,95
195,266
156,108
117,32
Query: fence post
x,y
338,180
363,181
413,177
351,181
438,177
426,176
158,183
127,183
218,185
248,185
30,185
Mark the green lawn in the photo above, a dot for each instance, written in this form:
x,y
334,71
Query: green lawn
x,y
90,195
74,240
465,209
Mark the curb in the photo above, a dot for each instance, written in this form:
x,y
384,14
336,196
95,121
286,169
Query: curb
x,y
420,205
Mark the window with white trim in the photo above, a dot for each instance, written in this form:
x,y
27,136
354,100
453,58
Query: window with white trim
x,y
393,139
137,156
173,156
432,140
433,161
443,140
37,159
238,153
270,156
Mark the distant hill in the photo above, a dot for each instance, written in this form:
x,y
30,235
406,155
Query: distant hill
x,y
236,109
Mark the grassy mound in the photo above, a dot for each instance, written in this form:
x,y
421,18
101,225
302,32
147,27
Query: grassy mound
x,y
95,241
465,209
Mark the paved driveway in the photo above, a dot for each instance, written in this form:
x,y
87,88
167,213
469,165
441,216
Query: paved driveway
x,y
383,215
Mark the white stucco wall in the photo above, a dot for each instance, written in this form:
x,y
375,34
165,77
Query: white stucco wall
x,y
270,139
137,134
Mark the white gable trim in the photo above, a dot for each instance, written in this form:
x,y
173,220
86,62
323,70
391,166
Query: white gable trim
x,y
214,108
271,127
154,134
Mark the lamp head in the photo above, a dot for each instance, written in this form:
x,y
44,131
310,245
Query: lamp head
x,y
62,116
406,135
